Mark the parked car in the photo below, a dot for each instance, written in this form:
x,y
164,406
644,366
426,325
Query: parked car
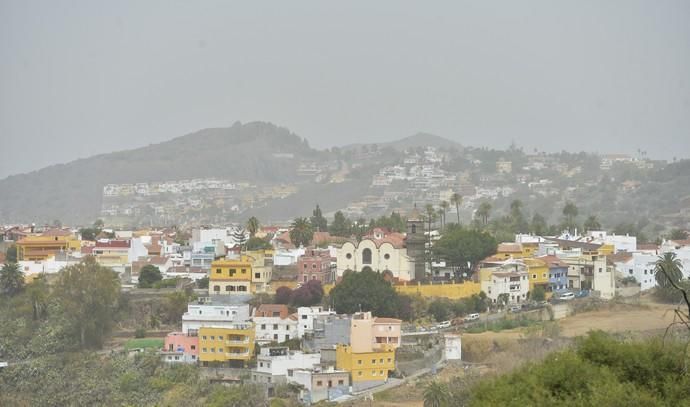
x,y
472,317
515,308
443,325
582,294
567,296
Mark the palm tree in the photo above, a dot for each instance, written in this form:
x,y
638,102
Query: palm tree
x,y
456,199
570,212
668,270
436,395
11,279
442,211
483,212
302,232
669,273
253,226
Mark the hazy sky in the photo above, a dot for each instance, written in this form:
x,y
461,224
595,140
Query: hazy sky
x,y
84,77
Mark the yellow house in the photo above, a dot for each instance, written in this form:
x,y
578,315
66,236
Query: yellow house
x,y
36,248
231,276
538,273
366,368
262,269
231,346
606,249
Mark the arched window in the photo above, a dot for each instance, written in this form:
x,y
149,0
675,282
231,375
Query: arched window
x,y
366,256
231,287
241,288
414,229
216,288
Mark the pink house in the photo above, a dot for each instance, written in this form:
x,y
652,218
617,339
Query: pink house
x,y
180,348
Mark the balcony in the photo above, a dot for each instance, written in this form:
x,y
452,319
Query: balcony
x,y
237,355
237,341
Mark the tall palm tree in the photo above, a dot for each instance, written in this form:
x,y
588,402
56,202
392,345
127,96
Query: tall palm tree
x,y
436,395
11,279
484,211
592,223
443,210
570,213
253,226
456,199
668,270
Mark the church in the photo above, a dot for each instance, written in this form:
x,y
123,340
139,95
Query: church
x,y
400,257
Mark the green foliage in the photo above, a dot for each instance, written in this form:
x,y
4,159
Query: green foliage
x,y
87,295
458,246
668,269
11,254
149,275
437,395
11,279
367,289
394,222
341,225
538,294
202,283
592,223
87,379
143,342
253,226
318,222
166,283
302,232
140,333
601,371
307,295
257,243
678,234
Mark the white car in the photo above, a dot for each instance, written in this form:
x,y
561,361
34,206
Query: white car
x,y
566,296
444,324
472,317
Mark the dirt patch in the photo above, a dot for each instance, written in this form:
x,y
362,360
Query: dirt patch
x,y
619,319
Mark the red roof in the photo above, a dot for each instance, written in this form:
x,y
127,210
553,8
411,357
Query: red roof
x,y
268,310
122,244
553,261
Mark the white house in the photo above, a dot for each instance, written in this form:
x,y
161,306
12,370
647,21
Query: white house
x,y
452,349
275,362
217,312
320,383
505,277
306,317
275,329
638,265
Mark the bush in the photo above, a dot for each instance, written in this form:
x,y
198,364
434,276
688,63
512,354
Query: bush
x,y
140,333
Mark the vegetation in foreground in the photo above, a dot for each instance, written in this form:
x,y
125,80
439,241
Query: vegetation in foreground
x,y
599,371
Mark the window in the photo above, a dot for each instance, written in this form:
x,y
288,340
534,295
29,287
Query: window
x,y
373,361
386,256
275,337
359,361
348,256
305,265
213,338
359,373
313,266
244,271
600,269
218,271
389,360
232,272
373,373
319,383
341,382
366,256
381,360
275,327
305,278
287,337
203,350
193,347
381,372
261,364
304,317
213,350
203,337
414,229
534,276
263,326
227,288
241,288
216,288
257,275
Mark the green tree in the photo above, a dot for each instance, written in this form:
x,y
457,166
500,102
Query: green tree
x,y
440,309
517,219
11,254
483,212
538,294
538,225
149,275
340,226
443,210
87,295
668,269
366,290
592,223
460,246
302,232
257,243
456,199
38,295
253,226
318,222
502,300
678,234
436,394
98,224
202,283
570,212
11,279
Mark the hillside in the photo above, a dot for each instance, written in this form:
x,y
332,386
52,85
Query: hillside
x,y
413,141
72,192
